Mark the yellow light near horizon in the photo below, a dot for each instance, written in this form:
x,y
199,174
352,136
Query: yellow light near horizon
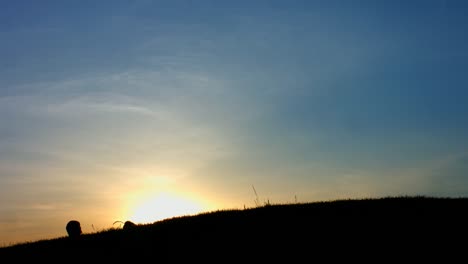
x,y
159,206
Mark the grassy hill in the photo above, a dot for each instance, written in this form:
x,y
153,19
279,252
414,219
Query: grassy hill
x,y
393,228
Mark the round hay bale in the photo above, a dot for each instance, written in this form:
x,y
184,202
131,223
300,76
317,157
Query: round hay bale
x,y
129,225
73,228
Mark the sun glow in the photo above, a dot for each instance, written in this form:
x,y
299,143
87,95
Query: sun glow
x,y
153,207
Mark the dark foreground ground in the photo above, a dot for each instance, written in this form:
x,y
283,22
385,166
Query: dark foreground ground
x,y
416,229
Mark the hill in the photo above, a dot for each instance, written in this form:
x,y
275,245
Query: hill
x,y
354,230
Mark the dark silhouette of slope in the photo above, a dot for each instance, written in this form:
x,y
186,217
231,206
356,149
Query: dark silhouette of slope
x,y
398,228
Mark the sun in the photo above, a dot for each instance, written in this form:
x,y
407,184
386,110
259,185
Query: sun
x,y
153,207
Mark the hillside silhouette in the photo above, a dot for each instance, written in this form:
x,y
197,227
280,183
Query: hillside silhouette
x,y
392,228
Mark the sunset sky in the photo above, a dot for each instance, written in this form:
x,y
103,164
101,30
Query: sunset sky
x,y
144,110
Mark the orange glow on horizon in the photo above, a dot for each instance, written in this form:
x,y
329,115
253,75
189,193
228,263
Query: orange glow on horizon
x,y
151,207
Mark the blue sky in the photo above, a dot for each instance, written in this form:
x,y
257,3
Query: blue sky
x,y
106,106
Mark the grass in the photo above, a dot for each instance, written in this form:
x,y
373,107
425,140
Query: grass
x,y
389,226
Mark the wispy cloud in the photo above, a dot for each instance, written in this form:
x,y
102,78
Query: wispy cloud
x,y
99,103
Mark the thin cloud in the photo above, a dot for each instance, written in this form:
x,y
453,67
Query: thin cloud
x,y
92,105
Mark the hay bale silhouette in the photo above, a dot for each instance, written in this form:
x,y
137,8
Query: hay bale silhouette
x,y
129,225
73,229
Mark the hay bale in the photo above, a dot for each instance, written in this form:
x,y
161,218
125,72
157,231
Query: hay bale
x,y
73,229
129,225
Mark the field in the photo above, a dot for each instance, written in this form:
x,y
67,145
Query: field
x,y
394,229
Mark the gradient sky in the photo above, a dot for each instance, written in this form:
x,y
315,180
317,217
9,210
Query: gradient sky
x,y
143,110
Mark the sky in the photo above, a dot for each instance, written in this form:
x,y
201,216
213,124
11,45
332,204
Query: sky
x,y
145,110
